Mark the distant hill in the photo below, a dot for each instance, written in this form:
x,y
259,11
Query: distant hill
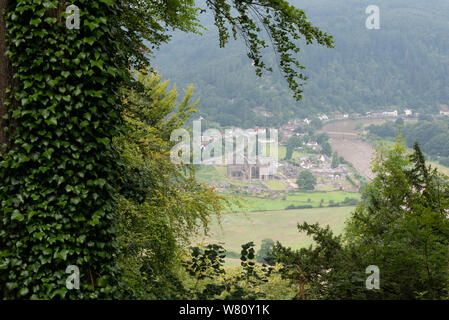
x,y
405,64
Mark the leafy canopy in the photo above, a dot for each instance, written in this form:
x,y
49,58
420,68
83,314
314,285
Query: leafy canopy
x,y
261,24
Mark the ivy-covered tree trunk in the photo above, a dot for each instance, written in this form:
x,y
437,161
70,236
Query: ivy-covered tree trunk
x,y
5,75
56,178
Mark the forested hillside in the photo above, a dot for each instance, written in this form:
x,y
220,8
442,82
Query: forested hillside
x,y
404,64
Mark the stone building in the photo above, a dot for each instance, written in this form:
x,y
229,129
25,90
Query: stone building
x,y
261,170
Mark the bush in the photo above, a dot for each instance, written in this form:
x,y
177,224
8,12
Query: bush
x,y
293,207
350,202
332,203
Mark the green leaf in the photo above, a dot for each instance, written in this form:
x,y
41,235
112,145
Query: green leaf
x,y
16,215
35,22
52,121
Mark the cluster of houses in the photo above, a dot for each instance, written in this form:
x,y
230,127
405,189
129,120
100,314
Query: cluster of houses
x,y
331,173
291,127
319,165
311,161
444,111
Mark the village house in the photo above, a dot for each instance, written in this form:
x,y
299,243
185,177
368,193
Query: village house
x,y
375,114
444,110
323,161
390,113
313,145
323,117
286,132
338,116
408,112
306,163
289,126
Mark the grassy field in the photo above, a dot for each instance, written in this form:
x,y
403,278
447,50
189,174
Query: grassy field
x,y
239,228
259,203
217,175
277,185
282,151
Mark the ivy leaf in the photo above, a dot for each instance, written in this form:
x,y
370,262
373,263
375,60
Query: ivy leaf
x,y
52,121
23,291
35,22
16,215
75,200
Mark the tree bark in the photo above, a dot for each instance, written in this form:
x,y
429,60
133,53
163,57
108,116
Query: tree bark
x,y
6,75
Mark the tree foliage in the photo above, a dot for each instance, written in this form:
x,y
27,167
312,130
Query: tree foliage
x,y
292,143
400,226
265,251
335,160
306,181
253,21
160,205
432,135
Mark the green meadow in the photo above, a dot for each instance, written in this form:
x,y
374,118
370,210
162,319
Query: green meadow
x,y
235,229
264,203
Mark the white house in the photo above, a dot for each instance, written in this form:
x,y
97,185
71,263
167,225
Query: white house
x,y
408,112
390,113
444,110
323,117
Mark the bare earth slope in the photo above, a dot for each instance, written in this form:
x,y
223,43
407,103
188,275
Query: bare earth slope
x,y
345,141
